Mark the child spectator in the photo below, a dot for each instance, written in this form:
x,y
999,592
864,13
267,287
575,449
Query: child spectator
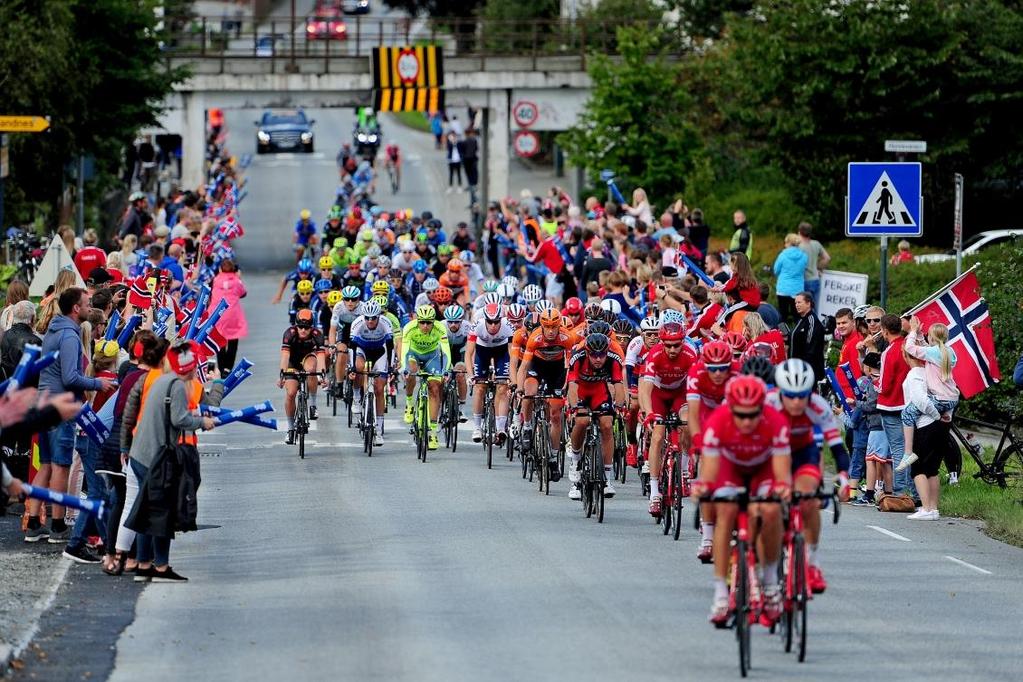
x,y
878,455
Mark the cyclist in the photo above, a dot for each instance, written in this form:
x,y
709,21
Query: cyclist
x,y
333,229
441,298
487,352
425,346
545,363
458,335
746,444
327,272
805,412
662,391
572,313
301,349
490,286
415,280
341,319
426,292
303,271
456,280
516,315
363,178
305,234
373,340
705,392
737,342
322,310
364,244
346,161
353,277
396,278
341,254
473,271
635,356
392,162
531,295
302,300
592,373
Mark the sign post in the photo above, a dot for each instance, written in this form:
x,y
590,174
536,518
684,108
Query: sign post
x,y
15,124
958,227
884,200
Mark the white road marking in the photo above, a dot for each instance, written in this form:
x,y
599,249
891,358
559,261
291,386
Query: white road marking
x,y
967,564
885,531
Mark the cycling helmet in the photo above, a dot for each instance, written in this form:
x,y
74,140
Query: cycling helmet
x,y
304,318
371,309
490,285
531,322
333,298
326,263
609,316
334,213
420,266
426,313
384,262
516,312
717,353
442,295
454,313
354,266
737,341
373,251
466,256
745,391
598,327
543,305
611,305
597,343
305,286
794,376
492,297
407,245
649,324
374,210
672,331
506,291
380,301
444,250
531,294
861,312
366,235
759,367
622,328
511,280
380,224
672,316
550,319
593,311
380,287
760,349
492,312
455,265
305,265
351,293
430,285
573,306
340,243
322,285
305,214
395,272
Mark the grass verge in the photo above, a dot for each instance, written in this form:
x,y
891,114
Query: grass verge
x,y
999,508
413,119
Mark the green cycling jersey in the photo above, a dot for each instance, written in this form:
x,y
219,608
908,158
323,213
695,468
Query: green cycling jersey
x,y
414,340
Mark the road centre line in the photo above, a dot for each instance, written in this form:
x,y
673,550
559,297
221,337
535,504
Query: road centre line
x,y
885,531
967,564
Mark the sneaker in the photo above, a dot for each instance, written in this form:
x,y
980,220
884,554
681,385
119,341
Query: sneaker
x,y
477,435
408,413
432,443
574,493
312,413
462,418
168,575
924,515
573,473
719,612
609,490
863,501
772,604
59,538
555,470
378,440
815,580
81,555
953,478
37,534
655,506
631,459
290,440
907,461
143,575
706,553
645,469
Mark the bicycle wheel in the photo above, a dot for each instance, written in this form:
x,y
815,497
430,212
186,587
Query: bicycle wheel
x,y
302,424
585,482
676,493
667,496
742,607
424,422
369,414
540,457
490,435
788,614
454,419
349,392
598,496
1009,466
335,391
800,593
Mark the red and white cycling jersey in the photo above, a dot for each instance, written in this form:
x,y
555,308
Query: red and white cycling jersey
x,y
665,373
699,386
748,450
817,413
481,336
636,352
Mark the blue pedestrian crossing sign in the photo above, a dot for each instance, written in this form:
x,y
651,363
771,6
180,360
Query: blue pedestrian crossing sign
x,y
884,200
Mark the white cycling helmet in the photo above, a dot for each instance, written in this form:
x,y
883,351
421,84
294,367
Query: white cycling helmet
x,y
794,376
371,309
861,312
373,251
383,262
506,291
543,305
407,246
430,285
531,294
510,280
649,324
611,305
466,256
672,316
491,297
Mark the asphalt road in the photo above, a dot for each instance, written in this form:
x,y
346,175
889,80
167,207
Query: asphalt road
x,y
347,567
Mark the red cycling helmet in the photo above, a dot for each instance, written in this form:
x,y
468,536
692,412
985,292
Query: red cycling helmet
x,y
492,312
745,391
736,341
717,353
671,331
573,306
442,295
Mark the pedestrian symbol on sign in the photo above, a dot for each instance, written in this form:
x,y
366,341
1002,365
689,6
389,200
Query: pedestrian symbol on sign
x,y
884,206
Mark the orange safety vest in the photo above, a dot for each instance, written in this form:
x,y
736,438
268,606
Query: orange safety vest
x,y
193,389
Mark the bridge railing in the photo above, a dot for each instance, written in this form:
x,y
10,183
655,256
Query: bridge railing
x,y
306,37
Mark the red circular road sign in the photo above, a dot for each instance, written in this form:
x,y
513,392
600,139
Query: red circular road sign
x,y
526,143
408,66
525,113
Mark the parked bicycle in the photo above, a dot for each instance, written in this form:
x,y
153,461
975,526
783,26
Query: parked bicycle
x,y
1006,468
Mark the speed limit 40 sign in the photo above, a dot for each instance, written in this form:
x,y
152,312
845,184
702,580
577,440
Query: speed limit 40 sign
x,y
525,113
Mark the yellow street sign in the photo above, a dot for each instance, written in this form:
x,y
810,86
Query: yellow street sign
x,y
23,124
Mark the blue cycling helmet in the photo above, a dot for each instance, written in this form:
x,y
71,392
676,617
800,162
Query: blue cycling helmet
x,y
305,265
420,266
375,211
454,313
322,285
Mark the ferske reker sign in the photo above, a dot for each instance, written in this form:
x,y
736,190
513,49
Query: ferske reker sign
x,y
841,290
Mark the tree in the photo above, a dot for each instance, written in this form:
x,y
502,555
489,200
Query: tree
x,y
637,121
706,19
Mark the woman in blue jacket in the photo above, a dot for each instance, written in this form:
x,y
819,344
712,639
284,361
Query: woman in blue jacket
x,y
790,277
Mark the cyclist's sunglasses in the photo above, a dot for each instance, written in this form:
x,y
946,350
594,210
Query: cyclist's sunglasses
x,y
304,325
672,346
596,355
796,396
718,368
497,321
873,320
746,416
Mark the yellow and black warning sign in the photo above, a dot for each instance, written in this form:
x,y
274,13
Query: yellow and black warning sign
x,y
408,78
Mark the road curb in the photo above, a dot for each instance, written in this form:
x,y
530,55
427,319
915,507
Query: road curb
x,y
9,653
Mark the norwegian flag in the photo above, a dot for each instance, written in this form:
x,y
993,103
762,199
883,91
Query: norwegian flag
x,y
212,344
139,294
960,307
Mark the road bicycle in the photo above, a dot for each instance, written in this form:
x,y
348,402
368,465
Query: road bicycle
x,y
592,479
332,383
619,433
489,422
676,475
795,568
393,175
421,415
539,457
368,421
301,406
512,422
1006,468
450,411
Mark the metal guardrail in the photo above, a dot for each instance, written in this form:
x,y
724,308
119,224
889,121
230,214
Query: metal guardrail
x,y
309,37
